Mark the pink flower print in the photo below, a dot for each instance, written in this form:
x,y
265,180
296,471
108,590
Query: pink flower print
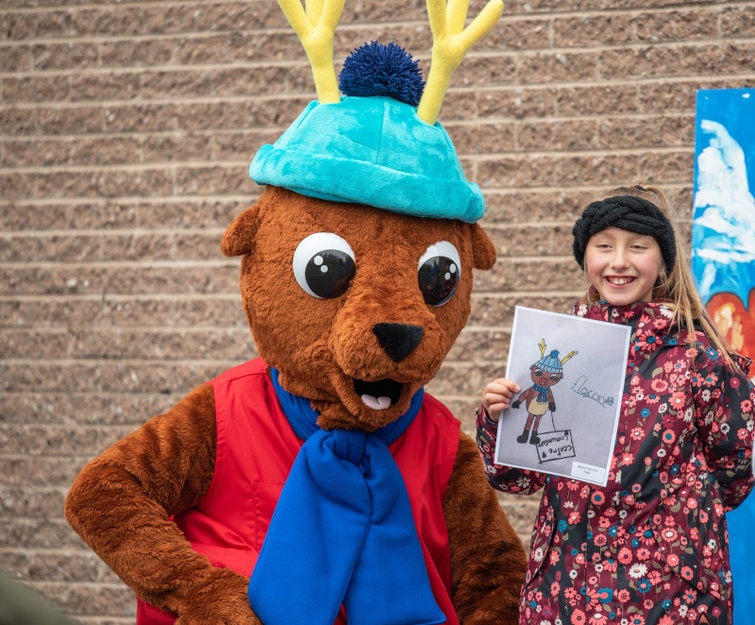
x,y
659,385
668,437
710,379
746,406
578,618
623,595
625,556
591,597
677,401
647,341
598,618
687,573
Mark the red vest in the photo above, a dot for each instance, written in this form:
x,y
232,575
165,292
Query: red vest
x,y
255,450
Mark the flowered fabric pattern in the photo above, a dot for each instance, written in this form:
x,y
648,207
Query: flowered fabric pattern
x,y
650,548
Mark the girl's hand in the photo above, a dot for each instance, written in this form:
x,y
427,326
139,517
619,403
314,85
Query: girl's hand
x,y
497,396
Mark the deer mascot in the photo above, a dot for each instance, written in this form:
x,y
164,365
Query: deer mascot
x,y
319,483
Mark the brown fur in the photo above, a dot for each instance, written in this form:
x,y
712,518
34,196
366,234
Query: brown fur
x,y
120,503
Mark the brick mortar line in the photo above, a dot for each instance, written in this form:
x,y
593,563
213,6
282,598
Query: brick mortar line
x,y
63,362
65,330
481,91
481,54
138,200
130,200
104,232
172,166
488,88
211,263
117,297
461,123
93,393
524,16
125,167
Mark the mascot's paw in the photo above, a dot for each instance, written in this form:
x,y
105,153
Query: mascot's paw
x,y
222,602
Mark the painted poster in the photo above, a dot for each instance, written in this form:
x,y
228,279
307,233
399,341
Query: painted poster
x,y
571,373
723,261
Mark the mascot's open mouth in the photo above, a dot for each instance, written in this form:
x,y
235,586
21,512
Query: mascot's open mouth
x,y
378,395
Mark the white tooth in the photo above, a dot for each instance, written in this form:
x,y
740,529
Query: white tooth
x,y
376,403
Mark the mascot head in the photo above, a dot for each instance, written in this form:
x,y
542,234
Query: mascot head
x,y
357,259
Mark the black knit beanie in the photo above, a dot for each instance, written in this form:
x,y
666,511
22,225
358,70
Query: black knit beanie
x,y
628,213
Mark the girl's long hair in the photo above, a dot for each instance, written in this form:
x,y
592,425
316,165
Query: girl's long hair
x,y
678,287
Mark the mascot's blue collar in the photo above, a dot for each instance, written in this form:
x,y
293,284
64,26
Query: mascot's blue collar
x,y
303,418
343,532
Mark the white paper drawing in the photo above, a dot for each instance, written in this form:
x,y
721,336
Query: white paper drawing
x,y
572,373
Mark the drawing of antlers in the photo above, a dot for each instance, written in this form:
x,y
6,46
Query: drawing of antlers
x,y
542,347
568,356
315,24
451,41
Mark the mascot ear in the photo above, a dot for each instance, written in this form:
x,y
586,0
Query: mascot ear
x,y
238,238
482,246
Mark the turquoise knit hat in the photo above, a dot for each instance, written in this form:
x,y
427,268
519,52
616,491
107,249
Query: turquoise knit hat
x,y
380,145
375,151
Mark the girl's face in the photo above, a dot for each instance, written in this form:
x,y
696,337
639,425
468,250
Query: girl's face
x,y
623,266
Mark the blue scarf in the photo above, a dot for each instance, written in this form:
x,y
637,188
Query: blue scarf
x,y
542,393
342,532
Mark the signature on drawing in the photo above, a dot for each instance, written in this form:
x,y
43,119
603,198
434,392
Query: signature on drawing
x,y
580,388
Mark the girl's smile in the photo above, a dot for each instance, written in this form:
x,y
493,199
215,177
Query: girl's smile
x,y
623,266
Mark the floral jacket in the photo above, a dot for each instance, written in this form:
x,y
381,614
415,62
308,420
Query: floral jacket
x,y
649,548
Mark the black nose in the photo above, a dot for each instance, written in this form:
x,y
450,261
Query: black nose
x,y
398,340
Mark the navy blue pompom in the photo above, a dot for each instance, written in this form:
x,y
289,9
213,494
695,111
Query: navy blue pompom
x,y
375,69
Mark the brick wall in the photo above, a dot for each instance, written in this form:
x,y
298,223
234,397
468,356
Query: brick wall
x,y
126,130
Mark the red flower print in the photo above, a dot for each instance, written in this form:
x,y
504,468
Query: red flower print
x,y
672,559
669,534
690,596
598,619
746,406
659,385
578,618
625,556
677,401
711,379
687,573
668,437
666,620
623,595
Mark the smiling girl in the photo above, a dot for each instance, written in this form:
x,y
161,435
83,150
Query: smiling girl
x,y
651,547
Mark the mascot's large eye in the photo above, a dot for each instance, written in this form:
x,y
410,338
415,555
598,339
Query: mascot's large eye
x,y
439,273
324,265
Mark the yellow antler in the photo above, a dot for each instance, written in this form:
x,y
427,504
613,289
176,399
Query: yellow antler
x,y
451,41
568,356
316,29
542,347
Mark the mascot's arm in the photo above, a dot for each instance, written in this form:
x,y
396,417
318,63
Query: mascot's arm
x,y
487,558
120,503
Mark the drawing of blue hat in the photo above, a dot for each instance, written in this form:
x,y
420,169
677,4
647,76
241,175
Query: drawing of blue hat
x,y
550,363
